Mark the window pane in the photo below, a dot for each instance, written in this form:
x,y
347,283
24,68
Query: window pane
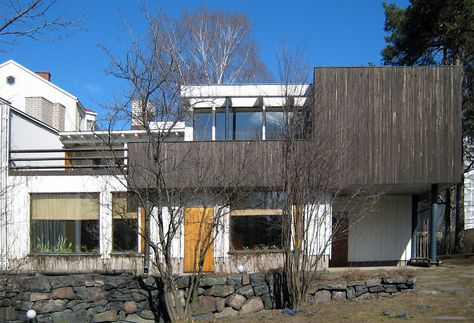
x,y
256,220
125,237
256,232
274,125
63,223
65,206
125,222
65,236
248,125
202,125
220,125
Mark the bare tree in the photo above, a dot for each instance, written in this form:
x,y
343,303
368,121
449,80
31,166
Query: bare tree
x,y
34,19
317,207
216,48
156,68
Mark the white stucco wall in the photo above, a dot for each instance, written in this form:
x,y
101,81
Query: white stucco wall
x,y
19,212
28,134
384,233
28,84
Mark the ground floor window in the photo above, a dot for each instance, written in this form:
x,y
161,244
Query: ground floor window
x,y
65,222
256,221
126,222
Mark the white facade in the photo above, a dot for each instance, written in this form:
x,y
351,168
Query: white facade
x,y
382,233
18,83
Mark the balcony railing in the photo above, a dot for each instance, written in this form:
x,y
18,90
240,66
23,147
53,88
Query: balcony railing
x,y
83,160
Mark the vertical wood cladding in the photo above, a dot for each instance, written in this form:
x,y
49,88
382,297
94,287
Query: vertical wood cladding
x,y
403,123
373,126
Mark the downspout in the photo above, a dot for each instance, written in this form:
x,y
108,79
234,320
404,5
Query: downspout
x,y
434,212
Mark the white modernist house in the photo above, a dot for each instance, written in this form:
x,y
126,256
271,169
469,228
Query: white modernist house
x,y
36,95
62,191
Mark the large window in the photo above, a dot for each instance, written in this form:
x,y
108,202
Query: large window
x,y
125,223
256,221
64,223
239,123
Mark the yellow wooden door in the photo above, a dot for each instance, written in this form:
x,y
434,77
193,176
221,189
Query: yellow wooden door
x,y
197,233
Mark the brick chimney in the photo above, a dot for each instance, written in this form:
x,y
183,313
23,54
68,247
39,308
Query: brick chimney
x,y
45,75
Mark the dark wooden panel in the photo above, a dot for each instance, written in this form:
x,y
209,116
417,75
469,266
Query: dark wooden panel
x,y
373,126
403,123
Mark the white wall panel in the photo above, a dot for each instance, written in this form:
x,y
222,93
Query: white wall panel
x,y
384,233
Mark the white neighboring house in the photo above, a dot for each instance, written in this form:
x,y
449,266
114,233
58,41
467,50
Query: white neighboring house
x,y
469,200
35,94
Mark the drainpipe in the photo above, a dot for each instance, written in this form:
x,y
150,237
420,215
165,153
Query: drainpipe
x,y
434,213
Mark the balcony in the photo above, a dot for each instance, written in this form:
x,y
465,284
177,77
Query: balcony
x,y
68,161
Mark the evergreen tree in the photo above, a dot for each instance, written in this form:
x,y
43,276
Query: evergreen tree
x,y
437,32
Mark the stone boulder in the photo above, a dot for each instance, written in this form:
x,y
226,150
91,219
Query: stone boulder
x,y
129,307
48,306
211,280
62,317
108,316
322,296
220,290
338,296
63,292
252,305
246,290
260,289
220,304
227,312
204,304
235,301
257,279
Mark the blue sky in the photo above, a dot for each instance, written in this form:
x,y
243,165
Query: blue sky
x,y
333,33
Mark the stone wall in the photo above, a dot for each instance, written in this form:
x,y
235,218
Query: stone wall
x,y
125,297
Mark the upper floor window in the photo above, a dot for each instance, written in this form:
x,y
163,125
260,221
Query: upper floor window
x,y
238,123
274,123
202,124
241,124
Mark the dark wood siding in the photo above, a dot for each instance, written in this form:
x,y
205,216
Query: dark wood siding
x,y
393,127
403,123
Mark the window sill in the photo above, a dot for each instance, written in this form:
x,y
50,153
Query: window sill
x,y
250,251
66,254
126,254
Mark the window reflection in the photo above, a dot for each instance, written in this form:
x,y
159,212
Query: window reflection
x,y
247,125
202,125
220,125
274,124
